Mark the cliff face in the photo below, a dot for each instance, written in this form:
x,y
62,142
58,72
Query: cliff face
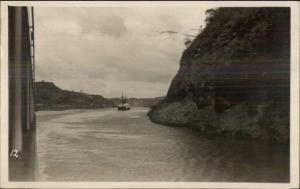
x,y
234,77
50,97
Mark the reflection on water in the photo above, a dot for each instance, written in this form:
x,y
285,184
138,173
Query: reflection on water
x,y
107,145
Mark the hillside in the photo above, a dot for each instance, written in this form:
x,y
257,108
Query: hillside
x,y
233,79
50,97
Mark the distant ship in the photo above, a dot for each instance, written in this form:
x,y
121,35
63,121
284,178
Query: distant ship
x,y
124,104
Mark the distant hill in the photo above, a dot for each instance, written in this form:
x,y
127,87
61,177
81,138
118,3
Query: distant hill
x,y
50,97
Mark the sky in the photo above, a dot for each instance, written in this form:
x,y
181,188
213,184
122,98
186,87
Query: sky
x,y
110,50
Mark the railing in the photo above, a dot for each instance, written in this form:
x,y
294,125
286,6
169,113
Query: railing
x,y
32,44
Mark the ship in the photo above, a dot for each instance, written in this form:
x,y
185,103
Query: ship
x,y
22,151
124,105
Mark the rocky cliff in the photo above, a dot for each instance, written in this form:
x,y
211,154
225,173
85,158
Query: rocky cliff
x,y
233,79
49,97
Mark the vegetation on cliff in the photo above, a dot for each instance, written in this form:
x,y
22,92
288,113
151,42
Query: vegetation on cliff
x,y
234,77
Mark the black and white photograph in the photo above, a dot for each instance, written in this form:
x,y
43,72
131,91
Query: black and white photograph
x,y
150,92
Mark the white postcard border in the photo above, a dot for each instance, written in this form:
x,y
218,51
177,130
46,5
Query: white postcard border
x,y
294,107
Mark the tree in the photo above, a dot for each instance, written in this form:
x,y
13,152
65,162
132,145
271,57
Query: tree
x,y
187,42
210,13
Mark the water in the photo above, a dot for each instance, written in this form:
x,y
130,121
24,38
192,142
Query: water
x,y
109,145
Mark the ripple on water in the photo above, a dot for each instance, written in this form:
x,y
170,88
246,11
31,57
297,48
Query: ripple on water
x,y
107,145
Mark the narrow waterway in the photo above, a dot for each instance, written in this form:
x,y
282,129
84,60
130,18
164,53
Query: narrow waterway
x,y
110,145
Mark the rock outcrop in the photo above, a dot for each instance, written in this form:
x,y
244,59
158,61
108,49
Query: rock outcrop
x,y
234,78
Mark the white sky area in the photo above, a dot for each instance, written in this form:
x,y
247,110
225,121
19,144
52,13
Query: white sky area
x,y
108,51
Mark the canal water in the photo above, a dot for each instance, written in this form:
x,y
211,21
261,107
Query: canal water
x,y
110,145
